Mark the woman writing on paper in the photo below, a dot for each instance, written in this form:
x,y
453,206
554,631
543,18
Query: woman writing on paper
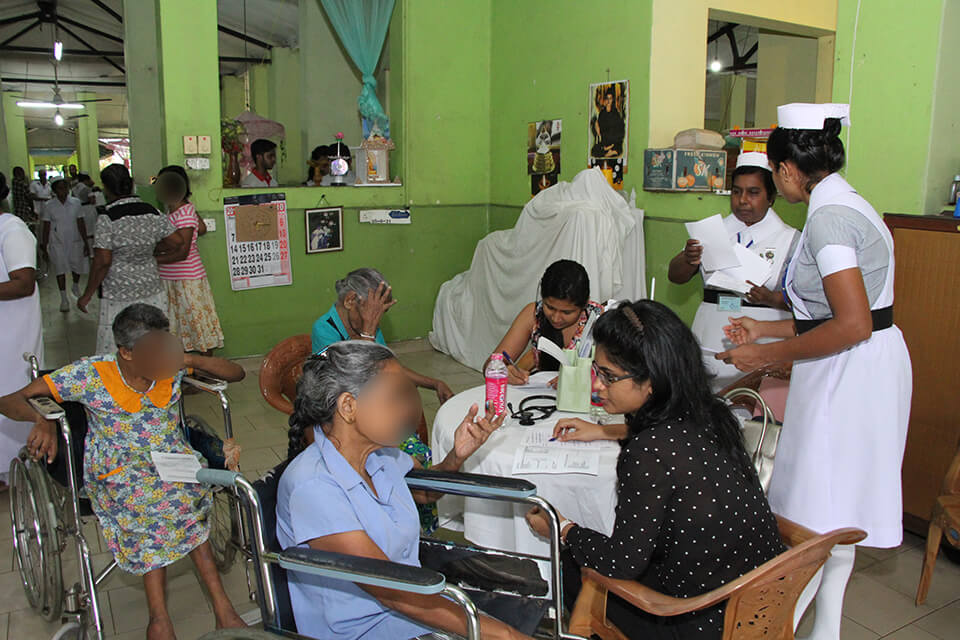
x,y
839,456
756,226
563,315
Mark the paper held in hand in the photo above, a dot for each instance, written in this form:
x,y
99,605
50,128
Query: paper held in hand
x,y
718,251
752,268
176,467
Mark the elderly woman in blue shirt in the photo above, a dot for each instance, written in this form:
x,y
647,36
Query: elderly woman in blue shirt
x,y
345,492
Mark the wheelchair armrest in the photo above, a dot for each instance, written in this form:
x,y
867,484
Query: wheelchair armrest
x,y
471,484
206,383
46,407
369,571
222,477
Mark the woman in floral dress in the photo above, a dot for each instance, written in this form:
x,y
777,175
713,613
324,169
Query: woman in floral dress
x,y
131,398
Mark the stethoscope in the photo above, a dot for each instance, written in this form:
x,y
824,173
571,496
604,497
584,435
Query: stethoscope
x,y
527,416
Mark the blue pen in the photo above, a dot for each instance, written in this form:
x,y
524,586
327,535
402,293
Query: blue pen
x,y
506,356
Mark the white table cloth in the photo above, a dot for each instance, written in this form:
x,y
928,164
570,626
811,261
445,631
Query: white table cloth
x,y
585,499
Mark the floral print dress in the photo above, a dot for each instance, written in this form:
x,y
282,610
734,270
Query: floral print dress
x,y
147,523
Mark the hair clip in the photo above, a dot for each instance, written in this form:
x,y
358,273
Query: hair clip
x,y
632,317
322,354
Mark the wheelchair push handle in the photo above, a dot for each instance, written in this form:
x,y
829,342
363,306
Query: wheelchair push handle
x,y
221,477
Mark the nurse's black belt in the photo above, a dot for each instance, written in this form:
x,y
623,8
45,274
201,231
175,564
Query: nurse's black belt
x,y
713,295
882,319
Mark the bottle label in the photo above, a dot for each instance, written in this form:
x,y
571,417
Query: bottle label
x,y
497,394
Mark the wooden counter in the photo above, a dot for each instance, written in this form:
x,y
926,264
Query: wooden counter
x,y
927,310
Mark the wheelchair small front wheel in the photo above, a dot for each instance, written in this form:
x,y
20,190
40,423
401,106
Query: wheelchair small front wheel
x,y
224,528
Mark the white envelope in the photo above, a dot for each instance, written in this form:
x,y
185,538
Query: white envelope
x,y
718,250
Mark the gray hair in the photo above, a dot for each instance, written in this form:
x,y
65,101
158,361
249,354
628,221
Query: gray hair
x,y
359,281
136,321
343,367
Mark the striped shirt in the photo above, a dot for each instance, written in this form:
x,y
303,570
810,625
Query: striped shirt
x,y
191,267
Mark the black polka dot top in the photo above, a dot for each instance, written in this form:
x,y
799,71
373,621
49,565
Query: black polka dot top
x,y
688,520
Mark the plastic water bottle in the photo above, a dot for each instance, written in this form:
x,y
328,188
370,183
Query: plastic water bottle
x,y
495,376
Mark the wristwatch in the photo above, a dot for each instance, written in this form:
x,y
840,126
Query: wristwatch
x,y
564,523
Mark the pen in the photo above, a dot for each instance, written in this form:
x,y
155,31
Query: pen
x,y
506,356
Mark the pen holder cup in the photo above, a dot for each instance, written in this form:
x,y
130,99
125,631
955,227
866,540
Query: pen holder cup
x,y
574,384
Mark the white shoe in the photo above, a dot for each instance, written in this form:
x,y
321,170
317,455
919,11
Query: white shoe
x,y
64,306
75,290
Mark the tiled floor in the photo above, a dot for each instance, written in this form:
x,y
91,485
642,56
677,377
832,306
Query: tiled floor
x,y
879,601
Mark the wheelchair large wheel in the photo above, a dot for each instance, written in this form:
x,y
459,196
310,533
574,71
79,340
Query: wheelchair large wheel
x,y
239,634
224,528
36,538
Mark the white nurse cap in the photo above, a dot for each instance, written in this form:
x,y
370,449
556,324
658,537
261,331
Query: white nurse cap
x,y
803,115
753,159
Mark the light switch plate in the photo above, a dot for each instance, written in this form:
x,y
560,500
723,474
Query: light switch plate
x,y
203,145
211,224
189,145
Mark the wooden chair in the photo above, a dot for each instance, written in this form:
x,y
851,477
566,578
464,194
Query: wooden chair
x,y
945,517
760,603
280,370
283,366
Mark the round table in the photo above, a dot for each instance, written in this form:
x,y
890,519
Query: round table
x,y
585,499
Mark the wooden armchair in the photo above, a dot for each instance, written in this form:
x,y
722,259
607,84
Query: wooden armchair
x,y
760,603
945,518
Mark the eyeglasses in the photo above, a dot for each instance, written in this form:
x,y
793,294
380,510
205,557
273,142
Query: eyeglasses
x,y
605,378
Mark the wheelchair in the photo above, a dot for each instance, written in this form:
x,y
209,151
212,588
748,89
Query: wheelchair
x,y
48,508
270,563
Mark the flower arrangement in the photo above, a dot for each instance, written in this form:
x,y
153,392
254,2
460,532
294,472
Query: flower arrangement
x,y
232,134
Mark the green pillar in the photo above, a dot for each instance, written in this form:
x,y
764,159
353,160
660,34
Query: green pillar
x,y
88,144
141,52
285,73
231,96
175,65
190,81
13,135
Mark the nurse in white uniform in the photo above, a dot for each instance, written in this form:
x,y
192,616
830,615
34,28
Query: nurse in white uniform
x,y
755,225
840,451
64,238
20,311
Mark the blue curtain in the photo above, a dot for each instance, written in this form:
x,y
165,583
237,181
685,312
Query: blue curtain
x,y
362,27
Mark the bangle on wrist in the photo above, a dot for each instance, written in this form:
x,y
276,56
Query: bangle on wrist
x,y
367,336
564,523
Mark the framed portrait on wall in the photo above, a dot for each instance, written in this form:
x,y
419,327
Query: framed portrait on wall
x,y
324,229
609,121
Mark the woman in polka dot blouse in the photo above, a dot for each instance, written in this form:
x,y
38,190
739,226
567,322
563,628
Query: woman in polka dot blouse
x,y
691,515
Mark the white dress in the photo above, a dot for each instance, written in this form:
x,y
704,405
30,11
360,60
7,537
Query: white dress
x,y
45,191
65,245
841,448
770,238
21,330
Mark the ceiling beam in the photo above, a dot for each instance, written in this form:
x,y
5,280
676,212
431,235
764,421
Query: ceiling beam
x,y
51,81
23,18
722,31
27,28
113,13
67,52
80,25
91,48
243,36
242,59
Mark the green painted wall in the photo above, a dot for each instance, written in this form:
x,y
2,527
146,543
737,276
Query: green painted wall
x,y
944,159
892,97
142,59
231,96
88,145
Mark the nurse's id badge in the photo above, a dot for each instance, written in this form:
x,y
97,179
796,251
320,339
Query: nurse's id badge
x,y
728,303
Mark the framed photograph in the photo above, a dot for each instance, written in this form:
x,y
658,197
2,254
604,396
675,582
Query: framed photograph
x,y
324,229
543,146
609,121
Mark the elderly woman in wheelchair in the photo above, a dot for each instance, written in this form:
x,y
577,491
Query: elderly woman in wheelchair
x,y
345,492
131,400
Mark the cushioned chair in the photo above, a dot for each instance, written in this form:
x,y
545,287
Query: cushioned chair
x,y
944,519
283,366
759,604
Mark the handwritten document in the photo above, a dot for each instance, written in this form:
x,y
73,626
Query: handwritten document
x,y
540,437
533,460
